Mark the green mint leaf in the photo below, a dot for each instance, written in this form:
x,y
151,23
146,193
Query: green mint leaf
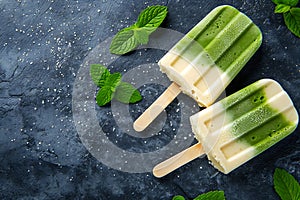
x,y
286,185
178,197
113,81
111,86
104,96
124,42
126,93
99,74
129,38
292,20
152,16
286,2
282,8
141,35
215,195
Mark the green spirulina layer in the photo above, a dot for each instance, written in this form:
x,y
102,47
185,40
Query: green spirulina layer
x,y
255,122
228,37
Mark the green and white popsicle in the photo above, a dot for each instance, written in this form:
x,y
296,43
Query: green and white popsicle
x,y
245,124
206,59
238,128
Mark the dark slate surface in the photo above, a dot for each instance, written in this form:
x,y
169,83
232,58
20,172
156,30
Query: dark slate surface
x,y
42,46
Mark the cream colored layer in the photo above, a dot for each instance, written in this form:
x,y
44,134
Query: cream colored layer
x,y
213,127
204,83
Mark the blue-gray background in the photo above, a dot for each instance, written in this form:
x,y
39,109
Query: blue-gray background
x,y
42,45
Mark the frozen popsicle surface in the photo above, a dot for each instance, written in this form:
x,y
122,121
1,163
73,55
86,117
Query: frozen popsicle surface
x,y
244,124
209,56
206,59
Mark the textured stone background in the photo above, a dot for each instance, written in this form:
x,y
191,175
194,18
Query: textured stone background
x,y
42,45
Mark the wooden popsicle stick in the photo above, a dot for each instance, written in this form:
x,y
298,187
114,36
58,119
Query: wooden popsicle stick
x,y
178,160
156,107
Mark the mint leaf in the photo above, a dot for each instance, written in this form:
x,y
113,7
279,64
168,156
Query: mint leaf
x,y
141,35
286,185
129,38
215,195
126,93
106,92
286,2
104,96
123,42
112,86
113,81
282,8
99,73
296,12
292,20
178,197
152,16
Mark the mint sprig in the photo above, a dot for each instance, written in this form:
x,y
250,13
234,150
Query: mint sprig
x,y
282,8
215,195
152,17
129,38
292,20
286,185
125,93
286,2
99,74
104,95
111,86
291,14
178,197
113,80
123,42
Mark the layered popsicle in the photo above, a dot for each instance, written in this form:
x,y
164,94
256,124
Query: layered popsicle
x,y
238,128
206,59
245,124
